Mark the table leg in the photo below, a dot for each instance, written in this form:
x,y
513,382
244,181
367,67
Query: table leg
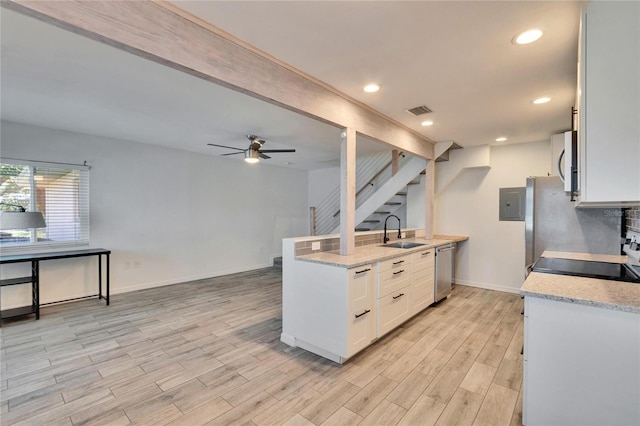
x,y
107,279
35,282
99,277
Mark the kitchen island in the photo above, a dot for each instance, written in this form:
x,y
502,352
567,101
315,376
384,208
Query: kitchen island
x,y
581,348
335,306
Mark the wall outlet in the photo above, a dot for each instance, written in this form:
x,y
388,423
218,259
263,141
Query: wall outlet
x,y
137,264
315,245
127,265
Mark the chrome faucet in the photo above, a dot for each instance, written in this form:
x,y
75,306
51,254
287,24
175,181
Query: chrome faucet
x,y
385,228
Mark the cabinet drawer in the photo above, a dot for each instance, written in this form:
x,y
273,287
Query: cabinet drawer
x,y
361,325
423,278
361,328
393,280
361,287
421,298
393,310
423,259
400,262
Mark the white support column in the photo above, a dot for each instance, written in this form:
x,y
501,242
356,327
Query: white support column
x,y
348,191
429,188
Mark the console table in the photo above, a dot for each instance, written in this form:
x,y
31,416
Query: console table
x,y
34,278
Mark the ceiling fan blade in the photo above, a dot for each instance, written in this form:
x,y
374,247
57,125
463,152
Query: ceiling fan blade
x,y
277,150
231,153
263,156
224,146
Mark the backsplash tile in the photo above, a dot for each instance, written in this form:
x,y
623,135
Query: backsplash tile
x,y
331,244
633,219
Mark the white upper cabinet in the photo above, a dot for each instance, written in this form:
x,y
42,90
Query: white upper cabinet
x,y
610,104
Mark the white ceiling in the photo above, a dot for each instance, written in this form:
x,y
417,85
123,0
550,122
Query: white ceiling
x,y
455,57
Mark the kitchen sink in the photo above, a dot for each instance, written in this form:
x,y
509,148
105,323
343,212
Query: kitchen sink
x,y
403,245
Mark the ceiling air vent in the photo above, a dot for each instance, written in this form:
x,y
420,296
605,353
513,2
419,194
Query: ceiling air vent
x,y
419,110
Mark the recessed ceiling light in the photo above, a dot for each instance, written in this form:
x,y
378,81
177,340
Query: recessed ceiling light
x,y
527,37
427,123
371,88
541,101
501,139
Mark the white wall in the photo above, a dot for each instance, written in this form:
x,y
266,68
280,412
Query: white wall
x,y
467,204
181,215
321,183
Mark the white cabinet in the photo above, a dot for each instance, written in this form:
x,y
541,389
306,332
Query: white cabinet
x,y
361,325
329,310
422,280
610,104
393,310
393,274
394,281
335,312
581,365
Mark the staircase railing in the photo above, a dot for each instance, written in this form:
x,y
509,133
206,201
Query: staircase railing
x,y
371,171
371,181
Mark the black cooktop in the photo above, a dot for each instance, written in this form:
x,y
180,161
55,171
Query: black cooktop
x,y
583,268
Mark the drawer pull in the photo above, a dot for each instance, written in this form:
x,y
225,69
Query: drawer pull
x,y
398,262
366,311
398,296
399,272
364,270
426,253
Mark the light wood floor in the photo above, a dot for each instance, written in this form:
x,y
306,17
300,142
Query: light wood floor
x,y
208,352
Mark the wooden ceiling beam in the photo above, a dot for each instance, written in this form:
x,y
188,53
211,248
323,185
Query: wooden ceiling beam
x,y
165,34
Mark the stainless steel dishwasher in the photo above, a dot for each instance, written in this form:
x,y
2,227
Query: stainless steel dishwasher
x,y
444,270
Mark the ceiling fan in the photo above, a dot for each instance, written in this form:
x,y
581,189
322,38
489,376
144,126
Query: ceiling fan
x,y
255,151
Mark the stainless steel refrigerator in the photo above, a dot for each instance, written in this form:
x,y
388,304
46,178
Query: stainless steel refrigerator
x,y
552,222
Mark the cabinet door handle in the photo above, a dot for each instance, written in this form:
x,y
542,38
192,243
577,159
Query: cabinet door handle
x,y
364,270
399,272
398,296
366,311
398,262
426,253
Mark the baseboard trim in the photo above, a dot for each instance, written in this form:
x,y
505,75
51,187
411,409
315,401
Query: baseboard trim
x,y
288,339
488,286
180,280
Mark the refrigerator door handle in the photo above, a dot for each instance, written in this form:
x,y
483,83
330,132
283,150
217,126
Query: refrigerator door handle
x,y
560,165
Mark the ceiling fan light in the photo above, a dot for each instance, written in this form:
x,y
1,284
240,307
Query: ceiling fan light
x,y
251,156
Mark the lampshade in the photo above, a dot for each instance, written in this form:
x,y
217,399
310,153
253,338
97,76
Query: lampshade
x,y
251,156
21,220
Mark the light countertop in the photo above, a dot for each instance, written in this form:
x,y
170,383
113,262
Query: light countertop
x,y
608,294
375,252
609,258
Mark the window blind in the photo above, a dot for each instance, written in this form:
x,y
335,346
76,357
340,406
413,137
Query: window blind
x,y
59,192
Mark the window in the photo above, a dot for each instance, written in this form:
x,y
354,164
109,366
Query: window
x,y
59,191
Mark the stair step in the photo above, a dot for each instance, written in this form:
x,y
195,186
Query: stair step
x,y
362,229
413,182
381,212
391,203
370,221
401,193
